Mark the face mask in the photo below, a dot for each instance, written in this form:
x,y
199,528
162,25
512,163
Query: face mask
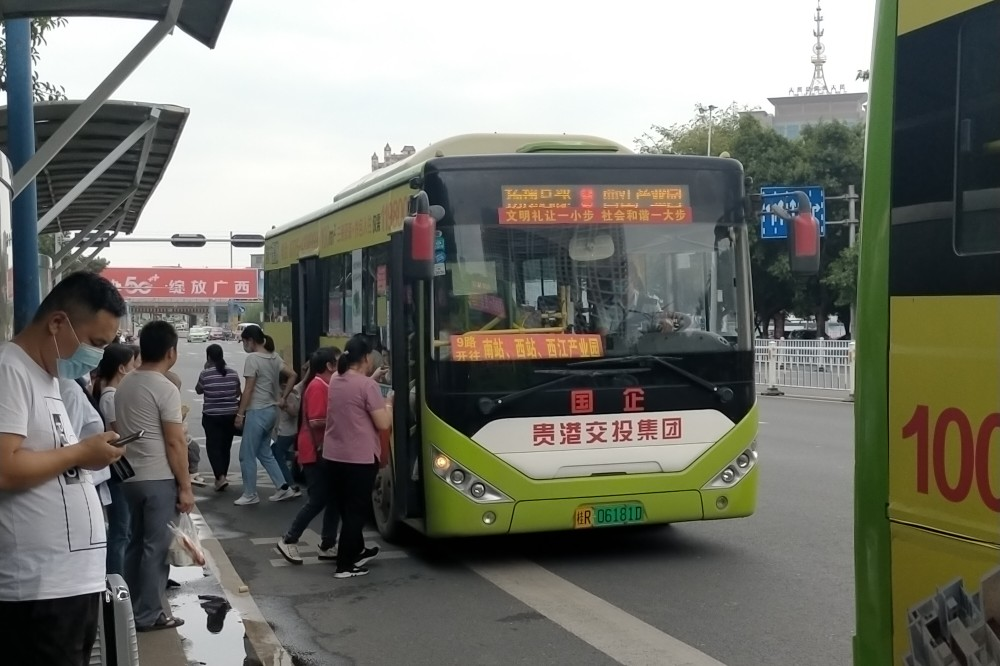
x,y
84,359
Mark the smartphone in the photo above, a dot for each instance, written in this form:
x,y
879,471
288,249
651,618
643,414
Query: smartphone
x,y
128,439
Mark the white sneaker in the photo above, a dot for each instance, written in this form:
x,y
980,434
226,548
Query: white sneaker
x,y
289,551
281,495
296,491
328,554
244,500
197,480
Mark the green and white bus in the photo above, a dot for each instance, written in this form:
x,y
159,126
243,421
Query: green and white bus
x,y
927,479
578,351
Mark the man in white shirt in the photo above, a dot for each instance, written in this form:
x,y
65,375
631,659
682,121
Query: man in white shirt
x,y
52,538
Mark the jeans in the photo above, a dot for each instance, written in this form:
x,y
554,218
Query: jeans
x,y
153,504
119,527
219,433
281,448
319,498
256,445
50,632
352,490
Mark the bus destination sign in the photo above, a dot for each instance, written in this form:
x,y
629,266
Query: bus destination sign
x,y
508,347
596,204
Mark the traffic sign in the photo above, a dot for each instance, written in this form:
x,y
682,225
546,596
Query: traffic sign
x,y
773,227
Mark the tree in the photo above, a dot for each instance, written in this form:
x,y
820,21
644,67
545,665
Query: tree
x,y
691,138
828,154
47,246
40,27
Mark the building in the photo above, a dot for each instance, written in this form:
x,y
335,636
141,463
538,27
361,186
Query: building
x,y
817,102
956,628
389,157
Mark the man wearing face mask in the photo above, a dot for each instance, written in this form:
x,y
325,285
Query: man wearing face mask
x,y
52,537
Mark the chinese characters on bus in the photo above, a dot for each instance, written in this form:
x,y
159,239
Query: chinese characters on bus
x,y
612,430
506,347
569,204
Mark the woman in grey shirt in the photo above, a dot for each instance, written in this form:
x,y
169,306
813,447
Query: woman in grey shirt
x,y
258,413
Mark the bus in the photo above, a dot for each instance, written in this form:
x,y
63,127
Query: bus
x,y
578,352
927,475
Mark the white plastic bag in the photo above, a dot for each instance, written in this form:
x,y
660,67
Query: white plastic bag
x,y
185,549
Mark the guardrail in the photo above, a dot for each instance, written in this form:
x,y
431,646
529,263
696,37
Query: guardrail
x,y
809,364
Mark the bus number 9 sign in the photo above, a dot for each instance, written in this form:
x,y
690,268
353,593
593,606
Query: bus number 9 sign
x,y
934,437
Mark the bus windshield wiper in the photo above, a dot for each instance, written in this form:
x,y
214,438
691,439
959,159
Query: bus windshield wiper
x,y
489,405
723,393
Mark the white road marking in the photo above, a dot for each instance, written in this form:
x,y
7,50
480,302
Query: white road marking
x,y
623,637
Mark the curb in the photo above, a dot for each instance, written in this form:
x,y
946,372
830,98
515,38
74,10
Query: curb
x,y
259,633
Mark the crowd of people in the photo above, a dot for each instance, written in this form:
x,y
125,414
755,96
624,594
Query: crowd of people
x,y
76,505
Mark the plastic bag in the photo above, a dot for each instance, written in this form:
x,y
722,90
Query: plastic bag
x,y
185,549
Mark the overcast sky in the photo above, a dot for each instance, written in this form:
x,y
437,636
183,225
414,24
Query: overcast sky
x,y
289,107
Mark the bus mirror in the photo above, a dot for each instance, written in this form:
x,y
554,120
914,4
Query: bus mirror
x,y
803,239
591,248
418,238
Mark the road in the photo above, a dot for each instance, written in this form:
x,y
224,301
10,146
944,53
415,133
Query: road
x,y
776,588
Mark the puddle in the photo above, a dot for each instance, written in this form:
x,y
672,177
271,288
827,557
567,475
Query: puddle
x,y
213,633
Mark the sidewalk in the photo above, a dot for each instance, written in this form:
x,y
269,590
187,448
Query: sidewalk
x,y
228,630
808,393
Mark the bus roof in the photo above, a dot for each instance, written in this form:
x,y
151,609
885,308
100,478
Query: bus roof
x,y
464,144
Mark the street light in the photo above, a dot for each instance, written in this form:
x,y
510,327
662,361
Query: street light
x,y
711,108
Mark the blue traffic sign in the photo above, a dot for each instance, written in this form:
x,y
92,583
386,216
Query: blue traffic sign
x,y
773,227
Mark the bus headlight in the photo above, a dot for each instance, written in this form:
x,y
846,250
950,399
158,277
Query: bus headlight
x,y
739,467
463,480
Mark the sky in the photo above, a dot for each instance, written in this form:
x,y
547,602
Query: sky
x,y
289,106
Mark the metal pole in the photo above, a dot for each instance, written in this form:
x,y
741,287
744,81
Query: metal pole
x,y
21,130
852,221
230,249
711,108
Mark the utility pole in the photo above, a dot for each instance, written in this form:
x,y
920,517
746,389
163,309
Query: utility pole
x,y
852,223
711,108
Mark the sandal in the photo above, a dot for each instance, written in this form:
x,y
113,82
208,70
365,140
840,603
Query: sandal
x,y
162,622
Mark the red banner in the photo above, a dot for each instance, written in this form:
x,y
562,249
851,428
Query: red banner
x,y
204,284
512,347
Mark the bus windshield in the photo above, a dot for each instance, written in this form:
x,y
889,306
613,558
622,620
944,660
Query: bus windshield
x,y
634,285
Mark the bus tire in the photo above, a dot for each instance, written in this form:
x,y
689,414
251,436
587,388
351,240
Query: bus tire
x,y
384,507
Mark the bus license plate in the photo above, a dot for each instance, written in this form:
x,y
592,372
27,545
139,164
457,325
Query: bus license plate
x,y
608,515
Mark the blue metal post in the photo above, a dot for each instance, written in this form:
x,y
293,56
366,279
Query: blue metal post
x,y
21,132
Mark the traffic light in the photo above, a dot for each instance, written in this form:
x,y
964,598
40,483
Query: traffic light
x,y
246,240
187,240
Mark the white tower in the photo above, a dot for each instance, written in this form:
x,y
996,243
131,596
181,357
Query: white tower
x,y
818,85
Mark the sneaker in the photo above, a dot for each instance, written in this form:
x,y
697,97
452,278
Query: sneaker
x,y
221,484
289,551
282,495
244,500
327,554
296,491
196,480
367,555
353,572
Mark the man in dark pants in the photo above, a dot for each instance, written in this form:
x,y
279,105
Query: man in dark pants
x,y
52,539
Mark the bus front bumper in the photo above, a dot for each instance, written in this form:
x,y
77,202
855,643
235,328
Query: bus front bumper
x,y
462,517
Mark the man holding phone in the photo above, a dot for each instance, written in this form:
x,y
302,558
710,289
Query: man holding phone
x,y
147,402
52,537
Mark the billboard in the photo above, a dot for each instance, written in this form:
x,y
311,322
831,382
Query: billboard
x,y
175,284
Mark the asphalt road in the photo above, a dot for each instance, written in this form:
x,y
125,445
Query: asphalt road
x,y
775,588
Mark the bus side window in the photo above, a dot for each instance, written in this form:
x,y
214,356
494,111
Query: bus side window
x,y
977,218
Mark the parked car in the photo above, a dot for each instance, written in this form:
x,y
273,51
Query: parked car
x,y
198,334
216,333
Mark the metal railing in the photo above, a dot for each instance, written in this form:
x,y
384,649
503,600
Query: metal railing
x,y
808,364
